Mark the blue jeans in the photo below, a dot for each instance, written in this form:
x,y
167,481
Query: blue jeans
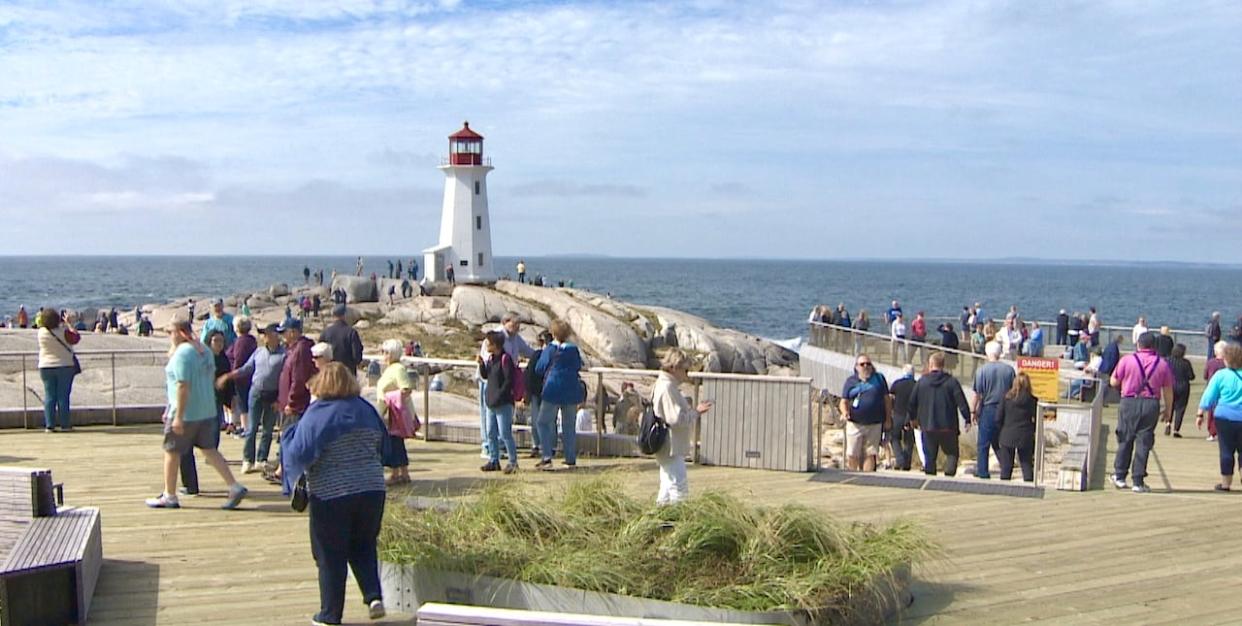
x,y
500,429
343,533
988,440
547,429
262,415
535,405
483,436
57,385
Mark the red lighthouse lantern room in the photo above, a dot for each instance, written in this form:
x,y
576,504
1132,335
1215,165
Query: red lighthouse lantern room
x,y
465,147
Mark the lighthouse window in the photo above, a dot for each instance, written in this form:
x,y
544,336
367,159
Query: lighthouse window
x,y
480,259
478,222
465,263
477,186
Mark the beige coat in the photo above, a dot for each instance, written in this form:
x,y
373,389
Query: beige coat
x,y
51,352
670,404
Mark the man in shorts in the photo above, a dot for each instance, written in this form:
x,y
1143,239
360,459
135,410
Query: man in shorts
x,y
192,420
868,409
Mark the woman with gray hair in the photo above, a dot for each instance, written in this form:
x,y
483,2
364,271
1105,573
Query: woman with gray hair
x,y
674,408
394,378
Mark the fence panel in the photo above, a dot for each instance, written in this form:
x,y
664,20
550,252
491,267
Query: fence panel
x,y
757,422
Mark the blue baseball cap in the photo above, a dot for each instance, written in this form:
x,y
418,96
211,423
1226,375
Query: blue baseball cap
x,y
290,324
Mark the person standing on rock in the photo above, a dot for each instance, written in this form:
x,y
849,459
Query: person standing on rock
x,y
345,342
1145,380
414,270
399,273
192,420
934,406
450,275
1213,334
316,304
521,271
23,318
219,322
992,382
559,365
389,274
1062,328
306,274
57,368
359,266
517,348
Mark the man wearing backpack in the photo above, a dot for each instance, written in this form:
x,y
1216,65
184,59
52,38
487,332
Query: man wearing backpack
x,y
1145,380
534,394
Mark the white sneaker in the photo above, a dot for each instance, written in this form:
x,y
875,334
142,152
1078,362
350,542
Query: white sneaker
x,y
1211,438
1119,483
376,609
1141,489
248,467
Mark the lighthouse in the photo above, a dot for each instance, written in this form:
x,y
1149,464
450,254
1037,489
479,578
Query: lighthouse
x,y
465,226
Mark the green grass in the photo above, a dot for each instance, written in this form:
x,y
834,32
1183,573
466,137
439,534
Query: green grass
x,y
712,550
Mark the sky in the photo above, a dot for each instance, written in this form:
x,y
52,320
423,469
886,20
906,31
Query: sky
x,y
850,129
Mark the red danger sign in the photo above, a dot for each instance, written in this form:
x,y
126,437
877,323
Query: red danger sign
x,y
1036,363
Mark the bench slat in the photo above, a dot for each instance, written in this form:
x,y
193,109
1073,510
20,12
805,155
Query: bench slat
x,y
52,541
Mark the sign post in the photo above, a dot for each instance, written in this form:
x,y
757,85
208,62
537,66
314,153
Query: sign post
x,y
1045,379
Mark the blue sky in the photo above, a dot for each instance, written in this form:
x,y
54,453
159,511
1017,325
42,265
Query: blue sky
x,y
953,129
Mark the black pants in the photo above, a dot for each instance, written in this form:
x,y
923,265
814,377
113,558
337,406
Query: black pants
x,y
1026,458
901,441
936,442
343,532
1229,441
1136,434
189,472
1181,398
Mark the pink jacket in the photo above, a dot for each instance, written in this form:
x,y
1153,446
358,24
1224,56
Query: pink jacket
x,y
402,419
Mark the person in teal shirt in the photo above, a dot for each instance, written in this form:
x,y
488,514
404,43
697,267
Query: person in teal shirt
x,y
219,322
1223,397
192,420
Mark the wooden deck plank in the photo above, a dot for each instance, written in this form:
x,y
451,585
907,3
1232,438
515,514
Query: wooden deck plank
x,y
1090,558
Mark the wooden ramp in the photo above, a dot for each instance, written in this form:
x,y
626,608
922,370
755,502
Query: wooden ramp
x,y
1101,557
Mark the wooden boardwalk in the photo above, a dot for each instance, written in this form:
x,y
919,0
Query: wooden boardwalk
x,y
1100,557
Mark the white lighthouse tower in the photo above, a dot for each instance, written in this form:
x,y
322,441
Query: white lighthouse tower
x,y
465,226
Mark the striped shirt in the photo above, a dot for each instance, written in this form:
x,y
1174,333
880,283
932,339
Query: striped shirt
x,y
347,466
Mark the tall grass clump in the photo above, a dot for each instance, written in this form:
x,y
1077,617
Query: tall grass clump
x,y
711,550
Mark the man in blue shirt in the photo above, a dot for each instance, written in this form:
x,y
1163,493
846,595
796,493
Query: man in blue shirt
x,y
868,409
192,419
219,322
992,382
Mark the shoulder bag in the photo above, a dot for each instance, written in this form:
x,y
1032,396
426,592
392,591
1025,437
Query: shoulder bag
x,y
77,365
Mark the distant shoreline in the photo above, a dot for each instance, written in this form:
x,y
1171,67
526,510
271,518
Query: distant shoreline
x,y
1006,261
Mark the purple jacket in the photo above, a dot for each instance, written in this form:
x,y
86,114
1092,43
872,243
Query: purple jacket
x,y
298,369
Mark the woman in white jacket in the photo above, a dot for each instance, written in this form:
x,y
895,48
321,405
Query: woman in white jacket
x,y
669,404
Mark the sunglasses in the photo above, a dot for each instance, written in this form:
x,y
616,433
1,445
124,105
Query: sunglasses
x,y
864,364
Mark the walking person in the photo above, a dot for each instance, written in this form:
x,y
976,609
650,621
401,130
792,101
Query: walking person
x,y
862,324
262,369
337,445
868,410
934,406
897,336
238,354
1016,423
1223,399
521,271
1183,374
901,434
1214,365
992,382
58,366
918,335
1213,334
192,419
1145,380
670,405
395,378
500,372
559,364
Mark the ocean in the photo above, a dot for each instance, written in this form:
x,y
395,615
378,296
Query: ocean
x,y
769,298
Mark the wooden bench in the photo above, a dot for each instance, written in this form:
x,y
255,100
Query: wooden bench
x,y
434,614
50,556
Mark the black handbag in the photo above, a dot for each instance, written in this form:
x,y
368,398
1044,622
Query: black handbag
x,y
301,495
652,431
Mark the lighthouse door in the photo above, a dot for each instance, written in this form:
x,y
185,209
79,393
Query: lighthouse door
x,y
440,266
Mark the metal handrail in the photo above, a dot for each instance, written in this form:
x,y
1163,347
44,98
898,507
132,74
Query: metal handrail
x,y
24,355
1053,325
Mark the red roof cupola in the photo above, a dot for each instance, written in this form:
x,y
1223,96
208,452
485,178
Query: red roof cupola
x,y
465,147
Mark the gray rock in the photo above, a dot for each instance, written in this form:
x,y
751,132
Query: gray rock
x,y
362,324
357,288
476,306
726,350
279,289
614,341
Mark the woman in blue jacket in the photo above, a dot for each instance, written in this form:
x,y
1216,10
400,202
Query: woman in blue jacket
x,y
562,392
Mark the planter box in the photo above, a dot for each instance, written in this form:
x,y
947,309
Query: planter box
x,y
407,587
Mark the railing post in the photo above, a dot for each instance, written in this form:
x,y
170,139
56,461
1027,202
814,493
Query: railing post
x,y
1039,445
427,402
25,391
600,399
114,419
698,383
